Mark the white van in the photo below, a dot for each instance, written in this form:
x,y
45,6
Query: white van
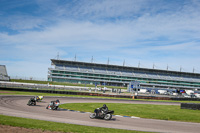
x,y
163,92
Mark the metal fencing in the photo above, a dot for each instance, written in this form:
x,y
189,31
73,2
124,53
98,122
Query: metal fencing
x,y
113,91
42,86
28,78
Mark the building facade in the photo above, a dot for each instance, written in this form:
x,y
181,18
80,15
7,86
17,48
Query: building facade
x,y
3,73
115,75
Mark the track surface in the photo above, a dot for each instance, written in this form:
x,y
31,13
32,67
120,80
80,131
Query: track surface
x,y
16,106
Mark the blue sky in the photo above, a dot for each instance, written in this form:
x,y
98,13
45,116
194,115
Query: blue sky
x,y
160,32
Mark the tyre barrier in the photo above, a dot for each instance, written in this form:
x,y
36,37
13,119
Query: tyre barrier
x,y
185,99
194,106
152,97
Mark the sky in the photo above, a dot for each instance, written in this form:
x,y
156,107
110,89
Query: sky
x,y
138,33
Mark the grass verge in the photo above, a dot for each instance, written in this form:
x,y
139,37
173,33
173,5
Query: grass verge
x,y
55,126
162,112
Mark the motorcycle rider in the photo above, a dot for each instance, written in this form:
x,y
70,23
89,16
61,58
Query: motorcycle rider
x,y
52,104
104,109
58,101
32,101
101,111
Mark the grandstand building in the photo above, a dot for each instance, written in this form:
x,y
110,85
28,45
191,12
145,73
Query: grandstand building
x,y
115,75
3,73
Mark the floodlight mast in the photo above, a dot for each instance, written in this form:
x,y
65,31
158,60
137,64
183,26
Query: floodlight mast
x,y
139,64
75,58
57,57
92,60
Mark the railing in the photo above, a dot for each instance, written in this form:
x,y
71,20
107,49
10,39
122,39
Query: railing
x,y
28,78
41,86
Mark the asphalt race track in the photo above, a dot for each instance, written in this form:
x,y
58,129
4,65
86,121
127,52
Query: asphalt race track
x,y
17,106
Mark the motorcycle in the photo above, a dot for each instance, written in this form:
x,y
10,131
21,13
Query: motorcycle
x,y
98,113
39,98
31,102
53,105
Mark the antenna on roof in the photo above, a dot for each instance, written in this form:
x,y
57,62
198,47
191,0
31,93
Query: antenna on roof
x,y
139,64
180,68
58,56
153,65
167,67
108,61
92,60
75,57
124,63
193,70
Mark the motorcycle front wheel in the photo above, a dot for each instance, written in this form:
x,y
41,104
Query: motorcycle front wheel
x,y
92,116
107,116
54,108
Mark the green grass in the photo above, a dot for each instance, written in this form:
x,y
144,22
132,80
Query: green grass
x,y
61,83
55,126
162,112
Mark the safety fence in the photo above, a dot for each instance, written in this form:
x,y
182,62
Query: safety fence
x,y
66,92
96,94
41,86
76,90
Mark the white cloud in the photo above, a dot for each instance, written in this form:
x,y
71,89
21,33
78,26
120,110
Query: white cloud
x,y
22,22
150,35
